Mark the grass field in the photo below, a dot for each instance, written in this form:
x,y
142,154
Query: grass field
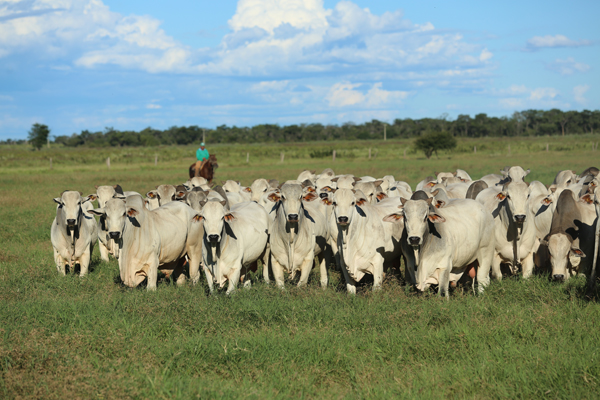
x,y
67,337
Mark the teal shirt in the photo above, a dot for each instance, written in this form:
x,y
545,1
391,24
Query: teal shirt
x,y
200,154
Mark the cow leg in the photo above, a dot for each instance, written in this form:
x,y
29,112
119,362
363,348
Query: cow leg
x,y
234,277
496,272
194,265
209,278
178,275
305,270
265,260
277,272
84,262
444,289
324,261
409,268
103,251
484,258
152,274
527,265
60,263
377,271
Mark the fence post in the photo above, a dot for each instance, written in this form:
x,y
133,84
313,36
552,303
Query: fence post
x,y
369,153
384,132
282,156
247,158
155,160
475,149
375,156
108,162
334,155
547,147
50,162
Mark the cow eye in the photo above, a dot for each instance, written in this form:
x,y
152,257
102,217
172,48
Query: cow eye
x,y
352,203
334,203
265,190
124,214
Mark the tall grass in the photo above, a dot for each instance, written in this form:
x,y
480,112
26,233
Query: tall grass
x,y
67,337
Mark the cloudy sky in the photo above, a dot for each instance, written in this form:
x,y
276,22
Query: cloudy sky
x,y
91,64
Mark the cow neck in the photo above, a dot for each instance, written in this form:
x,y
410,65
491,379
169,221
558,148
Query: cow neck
x,y
294,235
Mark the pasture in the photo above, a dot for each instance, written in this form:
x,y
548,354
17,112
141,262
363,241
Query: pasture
x,y
68,337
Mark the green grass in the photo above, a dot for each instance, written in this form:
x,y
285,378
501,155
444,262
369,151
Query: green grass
x,y
66,337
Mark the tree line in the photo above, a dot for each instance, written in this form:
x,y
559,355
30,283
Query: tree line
x,y
520,123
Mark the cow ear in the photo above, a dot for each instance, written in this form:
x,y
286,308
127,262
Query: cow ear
x,y
197,218
361,202
552,188
97,211
334,179
436,218
587,198
326,201
430,184
57,200
223,182
381,196
576,252
96,186
309,197
454,173
439,203
546,201
397,217
527,172
501,196
403,201
90,197
356,179
274,197
132,212
150,195
247,189
378,182
429,200
229,217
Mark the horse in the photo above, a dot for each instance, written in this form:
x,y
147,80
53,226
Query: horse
x,y
207,170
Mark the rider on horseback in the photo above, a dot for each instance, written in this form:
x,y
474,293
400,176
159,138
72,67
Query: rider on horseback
x,y
202,157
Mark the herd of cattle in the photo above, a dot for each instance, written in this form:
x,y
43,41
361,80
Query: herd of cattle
x,y
450,228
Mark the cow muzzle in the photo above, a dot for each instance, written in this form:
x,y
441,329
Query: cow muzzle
x,y
292,218
323,195
213,238
414,240
114,235
71,222
558,277
519,219
343,220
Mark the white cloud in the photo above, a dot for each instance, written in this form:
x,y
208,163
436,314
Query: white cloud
x,y
578,92
539,42
286,37
543,93
568,66
521,96
344,94
269,86
153,106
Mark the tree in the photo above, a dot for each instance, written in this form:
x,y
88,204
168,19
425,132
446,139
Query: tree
x,y
430,143
38,135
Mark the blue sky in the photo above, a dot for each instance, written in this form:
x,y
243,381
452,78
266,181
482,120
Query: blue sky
x,y
91,64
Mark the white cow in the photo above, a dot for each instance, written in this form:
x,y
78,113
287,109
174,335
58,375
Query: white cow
x,y
233,240
112,218
515,174
514,226
297,234
73,232
446,241
105,193
363,240
158,239
571,236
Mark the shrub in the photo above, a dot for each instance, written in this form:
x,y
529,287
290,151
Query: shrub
x,y
430,143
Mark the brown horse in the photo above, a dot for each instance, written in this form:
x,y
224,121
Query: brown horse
x,y
207,170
